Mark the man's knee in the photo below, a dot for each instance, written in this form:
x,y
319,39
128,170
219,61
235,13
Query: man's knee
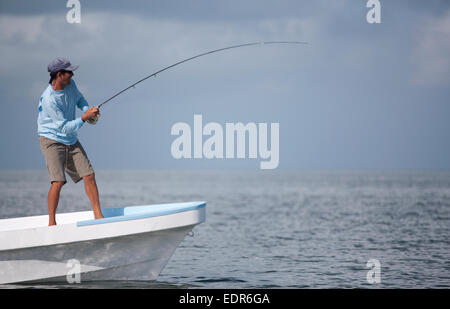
x,y
89,178
58,184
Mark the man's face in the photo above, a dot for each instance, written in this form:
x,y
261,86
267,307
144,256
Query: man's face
x,y
65,77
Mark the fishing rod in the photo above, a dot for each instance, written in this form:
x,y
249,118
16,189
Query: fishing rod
x,y
94,119
197,56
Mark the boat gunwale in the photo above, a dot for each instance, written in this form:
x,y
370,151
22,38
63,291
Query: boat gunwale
x,y
141,215
138,226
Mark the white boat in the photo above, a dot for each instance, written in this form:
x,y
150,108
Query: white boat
x,y
130,243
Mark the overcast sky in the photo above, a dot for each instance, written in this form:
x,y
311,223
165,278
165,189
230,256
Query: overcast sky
x,y
359,95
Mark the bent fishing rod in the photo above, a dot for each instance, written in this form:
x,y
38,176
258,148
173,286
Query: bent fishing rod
x,y
94,119
197,56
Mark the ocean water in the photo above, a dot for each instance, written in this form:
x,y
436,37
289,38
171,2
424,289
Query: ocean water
x,y
276,229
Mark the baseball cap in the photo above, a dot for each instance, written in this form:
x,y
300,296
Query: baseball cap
x,y
61,64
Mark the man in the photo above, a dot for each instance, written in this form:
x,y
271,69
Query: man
x,y
57,130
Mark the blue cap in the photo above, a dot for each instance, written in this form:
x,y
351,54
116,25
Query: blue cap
x,y
61,64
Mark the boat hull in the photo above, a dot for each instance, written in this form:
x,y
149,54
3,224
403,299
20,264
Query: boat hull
x,y
103,259
139,250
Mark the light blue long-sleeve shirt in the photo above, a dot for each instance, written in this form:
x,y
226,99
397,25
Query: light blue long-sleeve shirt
x,y
56,118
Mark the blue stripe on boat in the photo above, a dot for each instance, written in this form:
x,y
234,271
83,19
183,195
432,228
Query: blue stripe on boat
x,y
140,212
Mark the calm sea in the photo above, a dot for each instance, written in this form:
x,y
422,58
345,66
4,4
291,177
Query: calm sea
x,y
277,229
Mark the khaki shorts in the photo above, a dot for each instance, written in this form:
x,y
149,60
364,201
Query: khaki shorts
x,y
60,157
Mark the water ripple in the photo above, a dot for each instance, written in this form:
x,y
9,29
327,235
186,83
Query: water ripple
x,y
284,229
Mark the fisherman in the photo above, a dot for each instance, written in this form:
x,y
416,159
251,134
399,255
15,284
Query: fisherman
x,y
57,130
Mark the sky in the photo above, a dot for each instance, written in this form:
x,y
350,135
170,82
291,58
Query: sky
x,y
357,96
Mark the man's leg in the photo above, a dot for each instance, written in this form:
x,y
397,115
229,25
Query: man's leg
x,y
55,158
92,192
53,199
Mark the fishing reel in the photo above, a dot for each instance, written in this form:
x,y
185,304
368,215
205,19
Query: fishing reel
x,y
93,120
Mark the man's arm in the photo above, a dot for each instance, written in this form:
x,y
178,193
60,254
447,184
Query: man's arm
x,y
83,104
81,101
61,123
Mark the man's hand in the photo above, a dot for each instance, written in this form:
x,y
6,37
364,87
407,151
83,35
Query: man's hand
x,y
91,113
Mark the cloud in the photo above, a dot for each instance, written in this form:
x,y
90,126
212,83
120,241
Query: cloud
x,y
25,28
431,56
350,83
116,45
